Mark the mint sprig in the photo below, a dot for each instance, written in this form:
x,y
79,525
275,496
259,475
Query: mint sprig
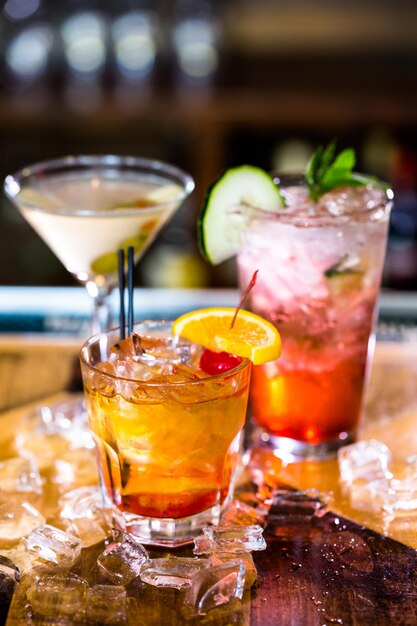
x,y
326,171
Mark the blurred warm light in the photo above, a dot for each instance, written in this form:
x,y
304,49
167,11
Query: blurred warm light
x,y
27,54
20,9
134,44
84,37
195,45
291,156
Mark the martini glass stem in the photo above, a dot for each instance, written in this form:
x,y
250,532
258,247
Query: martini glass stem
x,y
102,318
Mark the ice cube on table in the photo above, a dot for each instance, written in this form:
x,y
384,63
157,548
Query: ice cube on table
x,y
41,448
68,419
235,538
83,502
244,557
54,545
203,545
19,475
75,468
15,561
368,460
49,431
8,568
88,531
288,506
411,464
83,512
106,605
171,571
122,560
232,548
237,513
58,595
368,496
294,513
401,498
17,520
214,586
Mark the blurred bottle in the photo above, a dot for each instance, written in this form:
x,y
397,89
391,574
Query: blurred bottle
x,y
27,55
378,153
134,37
84,37
401,263
196,36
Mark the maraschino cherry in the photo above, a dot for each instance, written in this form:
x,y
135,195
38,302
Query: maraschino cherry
x,y
218,362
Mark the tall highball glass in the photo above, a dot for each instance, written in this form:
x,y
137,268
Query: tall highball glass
x,y
320,267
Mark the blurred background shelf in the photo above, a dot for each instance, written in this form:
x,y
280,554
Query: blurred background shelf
x,y
207,85
63,313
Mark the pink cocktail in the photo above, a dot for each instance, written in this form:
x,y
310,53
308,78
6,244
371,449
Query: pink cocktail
x,y
320,266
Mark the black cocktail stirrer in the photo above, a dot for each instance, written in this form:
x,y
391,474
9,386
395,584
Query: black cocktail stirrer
x,y
130,282
121,268
130,285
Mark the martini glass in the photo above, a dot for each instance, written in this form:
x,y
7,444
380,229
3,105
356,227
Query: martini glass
x,y
85,208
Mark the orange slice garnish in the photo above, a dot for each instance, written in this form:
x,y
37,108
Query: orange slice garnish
x,y
251,336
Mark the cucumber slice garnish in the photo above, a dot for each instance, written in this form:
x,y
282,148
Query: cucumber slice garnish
x,y
346,265
221,223
345,277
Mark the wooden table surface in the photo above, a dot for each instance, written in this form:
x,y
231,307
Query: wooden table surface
x,y
346,567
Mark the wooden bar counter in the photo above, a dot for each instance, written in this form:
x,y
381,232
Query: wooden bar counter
x,y
345,566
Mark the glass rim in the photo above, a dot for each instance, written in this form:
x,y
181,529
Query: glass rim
x,y
298,179
96,338
105,161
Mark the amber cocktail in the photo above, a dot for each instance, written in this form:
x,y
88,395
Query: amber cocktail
x,y
167,433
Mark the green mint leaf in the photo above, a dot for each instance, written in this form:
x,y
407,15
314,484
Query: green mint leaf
x,y
313,164
327,158
326,171
345,160
313,174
